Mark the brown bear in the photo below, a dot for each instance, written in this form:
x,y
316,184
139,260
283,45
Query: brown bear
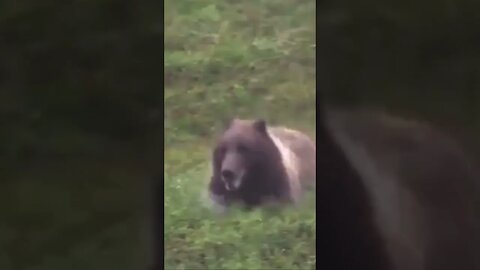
x,y
254,163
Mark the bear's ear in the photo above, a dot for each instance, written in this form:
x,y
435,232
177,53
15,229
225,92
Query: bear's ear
x,y
260,125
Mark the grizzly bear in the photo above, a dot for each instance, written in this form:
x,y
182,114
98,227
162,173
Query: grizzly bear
x,y
254,163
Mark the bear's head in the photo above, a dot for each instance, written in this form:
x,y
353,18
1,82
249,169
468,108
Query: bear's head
x,y
244,155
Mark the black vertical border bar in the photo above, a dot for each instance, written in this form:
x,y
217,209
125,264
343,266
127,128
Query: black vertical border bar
x,y
318,100
157,221
157,183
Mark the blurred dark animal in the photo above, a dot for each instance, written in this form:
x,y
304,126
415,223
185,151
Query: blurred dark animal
x,y
393,194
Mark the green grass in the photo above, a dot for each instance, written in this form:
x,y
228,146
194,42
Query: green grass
x,y
228,59
195,238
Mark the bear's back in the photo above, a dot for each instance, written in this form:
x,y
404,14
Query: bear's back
x,y
303,148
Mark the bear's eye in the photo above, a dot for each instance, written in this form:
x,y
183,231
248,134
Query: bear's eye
x,y
242,148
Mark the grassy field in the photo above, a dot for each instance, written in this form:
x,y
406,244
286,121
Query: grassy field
x,y
223,59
